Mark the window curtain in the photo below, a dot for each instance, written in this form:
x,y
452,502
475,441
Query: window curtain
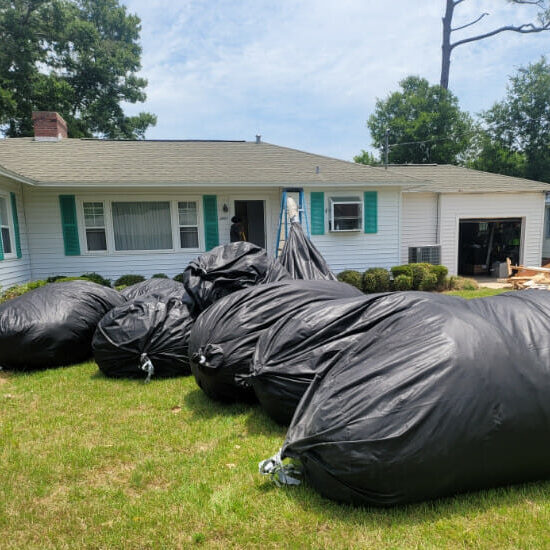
x,y
142,225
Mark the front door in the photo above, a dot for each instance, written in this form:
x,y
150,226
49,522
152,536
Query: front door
x,y
252,216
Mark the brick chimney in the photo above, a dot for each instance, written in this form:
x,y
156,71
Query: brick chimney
x,y
48,126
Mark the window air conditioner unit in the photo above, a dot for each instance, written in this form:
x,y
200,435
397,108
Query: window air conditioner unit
x,y
425,254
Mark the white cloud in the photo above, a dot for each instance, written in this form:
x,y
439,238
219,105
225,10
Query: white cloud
x,y
306,73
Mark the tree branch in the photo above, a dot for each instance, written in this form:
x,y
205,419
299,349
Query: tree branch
x,y
527,28
470,24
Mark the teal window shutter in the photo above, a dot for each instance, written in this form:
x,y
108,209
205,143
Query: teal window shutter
x,y
210,211
15,218
370,207
317,200
67,204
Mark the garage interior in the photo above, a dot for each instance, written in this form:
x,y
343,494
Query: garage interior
x,y
484,244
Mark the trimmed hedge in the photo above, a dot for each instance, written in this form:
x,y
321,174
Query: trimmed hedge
x,y
352,277
96,278
402,282
128,280
376,279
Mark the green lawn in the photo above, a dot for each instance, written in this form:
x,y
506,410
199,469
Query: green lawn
x,y
480,293
89,462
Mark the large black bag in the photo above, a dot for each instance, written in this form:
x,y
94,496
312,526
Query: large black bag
x,y
301,258
293,350
162,288
148,336
53,325
227,269
438,397
224,337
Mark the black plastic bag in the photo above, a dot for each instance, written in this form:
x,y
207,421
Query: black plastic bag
x,y
227,269
144,338
290,353
53,325
438,397
301,259
161,288
224,337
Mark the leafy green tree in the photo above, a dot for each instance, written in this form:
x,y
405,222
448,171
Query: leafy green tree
x,y
425,124
366,158
77,57
515,139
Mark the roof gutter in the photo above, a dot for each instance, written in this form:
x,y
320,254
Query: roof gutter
x,y
110,185
16,177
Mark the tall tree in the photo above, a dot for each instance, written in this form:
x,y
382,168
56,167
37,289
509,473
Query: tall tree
x,y
515,139
77,57
542,24
425,124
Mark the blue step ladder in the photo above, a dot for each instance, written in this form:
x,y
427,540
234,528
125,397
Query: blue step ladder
x,y
284,219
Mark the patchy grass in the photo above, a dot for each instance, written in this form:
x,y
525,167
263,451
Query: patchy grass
x,y
89,462
479,293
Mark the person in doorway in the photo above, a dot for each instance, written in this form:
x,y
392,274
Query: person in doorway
x,y
236,232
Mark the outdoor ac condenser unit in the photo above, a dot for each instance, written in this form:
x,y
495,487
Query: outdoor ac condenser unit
x,y
425,254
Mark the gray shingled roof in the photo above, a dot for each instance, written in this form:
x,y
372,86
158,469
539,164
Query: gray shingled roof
x,y
446,178
82,161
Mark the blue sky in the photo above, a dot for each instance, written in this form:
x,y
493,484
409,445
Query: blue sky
x,y
306,73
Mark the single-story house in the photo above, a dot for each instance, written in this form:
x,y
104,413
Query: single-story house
x,y
69,206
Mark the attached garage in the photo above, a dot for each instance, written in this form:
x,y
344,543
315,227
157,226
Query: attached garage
x,y
477,219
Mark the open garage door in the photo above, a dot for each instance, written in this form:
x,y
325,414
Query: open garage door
x,y
484,244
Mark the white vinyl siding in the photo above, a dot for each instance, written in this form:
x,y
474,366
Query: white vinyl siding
x,y
46,239
356,249
14,270
419,223
527,206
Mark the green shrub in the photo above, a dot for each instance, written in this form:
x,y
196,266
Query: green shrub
x,y
397,270
376,279
129,280
429,282
179,278
96,278
419,272
351,277
69,279
18,290
441,272
159,276
55,278
403,282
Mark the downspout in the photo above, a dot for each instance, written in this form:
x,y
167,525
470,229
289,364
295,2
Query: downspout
x,y
437,218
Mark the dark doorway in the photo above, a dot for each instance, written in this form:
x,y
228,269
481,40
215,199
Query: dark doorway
x,y
253,219
486,243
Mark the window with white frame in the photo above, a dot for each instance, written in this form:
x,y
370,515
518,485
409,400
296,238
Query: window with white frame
x,y
346,214
188,224
142,225
94,223
5,226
